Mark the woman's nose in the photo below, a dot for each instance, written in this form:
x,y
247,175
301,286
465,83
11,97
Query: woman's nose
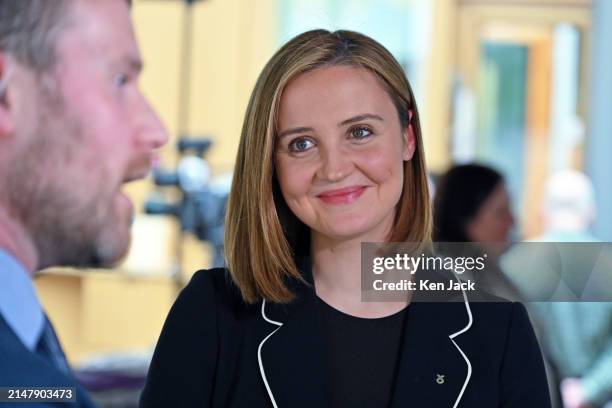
x,y
335,164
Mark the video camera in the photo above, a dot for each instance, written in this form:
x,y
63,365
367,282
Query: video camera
x,y
201,207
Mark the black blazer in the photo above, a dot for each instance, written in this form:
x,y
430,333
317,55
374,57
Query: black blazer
x,y
215,351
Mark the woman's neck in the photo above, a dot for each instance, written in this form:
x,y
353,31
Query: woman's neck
x,y
336,266
337,276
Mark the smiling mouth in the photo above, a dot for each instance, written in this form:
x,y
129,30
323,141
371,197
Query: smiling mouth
x,y
345,195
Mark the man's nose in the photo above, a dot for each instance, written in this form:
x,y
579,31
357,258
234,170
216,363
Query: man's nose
x,y
151,130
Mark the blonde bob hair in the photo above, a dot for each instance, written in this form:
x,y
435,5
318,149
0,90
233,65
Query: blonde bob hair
x,y
262,236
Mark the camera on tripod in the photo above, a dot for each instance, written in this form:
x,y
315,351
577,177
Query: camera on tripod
x,y
201,207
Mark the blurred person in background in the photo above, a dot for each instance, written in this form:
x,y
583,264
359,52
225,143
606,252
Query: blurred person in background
x,y
569,208
577,335
472,204
74,128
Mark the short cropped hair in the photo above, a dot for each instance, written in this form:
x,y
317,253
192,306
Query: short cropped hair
x,y
263,237
29,30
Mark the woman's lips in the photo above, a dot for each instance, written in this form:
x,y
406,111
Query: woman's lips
x,y
345,195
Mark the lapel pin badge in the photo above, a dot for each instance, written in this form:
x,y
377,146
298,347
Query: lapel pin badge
x,y
440,379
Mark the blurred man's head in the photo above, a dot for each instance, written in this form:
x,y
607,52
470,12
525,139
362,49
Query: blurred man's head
x,y
569,202
74,127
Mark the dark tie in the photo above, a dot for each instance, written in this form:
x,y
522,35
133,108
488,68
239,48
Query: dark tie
x,y
49,347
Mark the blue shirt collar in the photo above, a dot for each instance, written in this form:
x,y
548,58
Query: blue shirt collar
x,y
19,304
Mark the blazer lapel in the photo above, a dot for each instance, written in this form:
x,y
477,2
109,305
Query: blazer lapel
x,y
293,359
293,356
433,370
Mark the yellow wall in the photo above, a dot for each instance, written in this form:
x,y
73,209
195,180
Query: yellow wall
x,y
232,39
96,312
439,68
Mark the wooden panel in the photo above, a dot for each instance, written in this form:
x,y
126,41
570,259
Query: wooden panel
x,y
436,103
528,22
538,133
475,18
60,294
549,3
120,312
95,312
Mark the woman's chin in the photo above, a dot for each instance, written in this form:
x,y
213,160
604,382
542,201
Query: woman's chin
x,y
364,232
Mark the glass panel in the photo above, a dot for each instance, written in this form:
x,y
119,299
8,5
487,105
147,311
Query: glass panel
x,y
401,26
501,112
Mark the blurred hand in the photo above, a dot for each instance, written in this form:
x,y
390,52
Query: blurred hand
x,y
573,394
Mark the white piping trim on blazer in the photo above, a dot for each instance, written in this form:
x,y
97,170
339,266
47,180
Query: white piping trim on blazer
x,y
452,338
261,368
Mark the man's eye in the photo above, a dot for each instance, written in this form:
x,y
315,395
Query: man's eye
x,y
120,80
300,145
360,132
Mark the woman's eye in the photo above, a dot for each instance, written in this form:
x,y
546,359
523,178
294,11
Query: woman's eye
x,y
361,132
300,145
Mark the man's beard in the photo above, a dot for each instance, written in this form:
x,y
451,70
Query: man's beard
x,y
69,214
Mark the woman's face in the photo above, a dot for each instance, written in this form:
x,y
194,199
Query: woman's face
x,y
493,221
340,152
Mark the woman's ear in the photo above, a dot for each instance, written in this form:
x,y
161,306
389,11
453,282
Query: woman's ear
x,y
409,140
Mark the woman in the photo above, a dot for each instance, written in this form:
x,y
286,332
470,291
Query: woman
x,y
472,204
331,156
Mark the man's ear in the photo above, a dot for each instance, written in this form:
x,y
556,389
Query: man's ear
x,y
6,121
409,140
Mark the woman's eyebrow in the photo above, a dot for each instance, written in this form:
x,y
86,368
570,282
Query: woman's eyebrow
x,y
354,119
360,117
294,130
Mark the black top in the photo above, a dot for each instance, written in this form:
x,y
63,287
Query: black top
x,y
363,355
